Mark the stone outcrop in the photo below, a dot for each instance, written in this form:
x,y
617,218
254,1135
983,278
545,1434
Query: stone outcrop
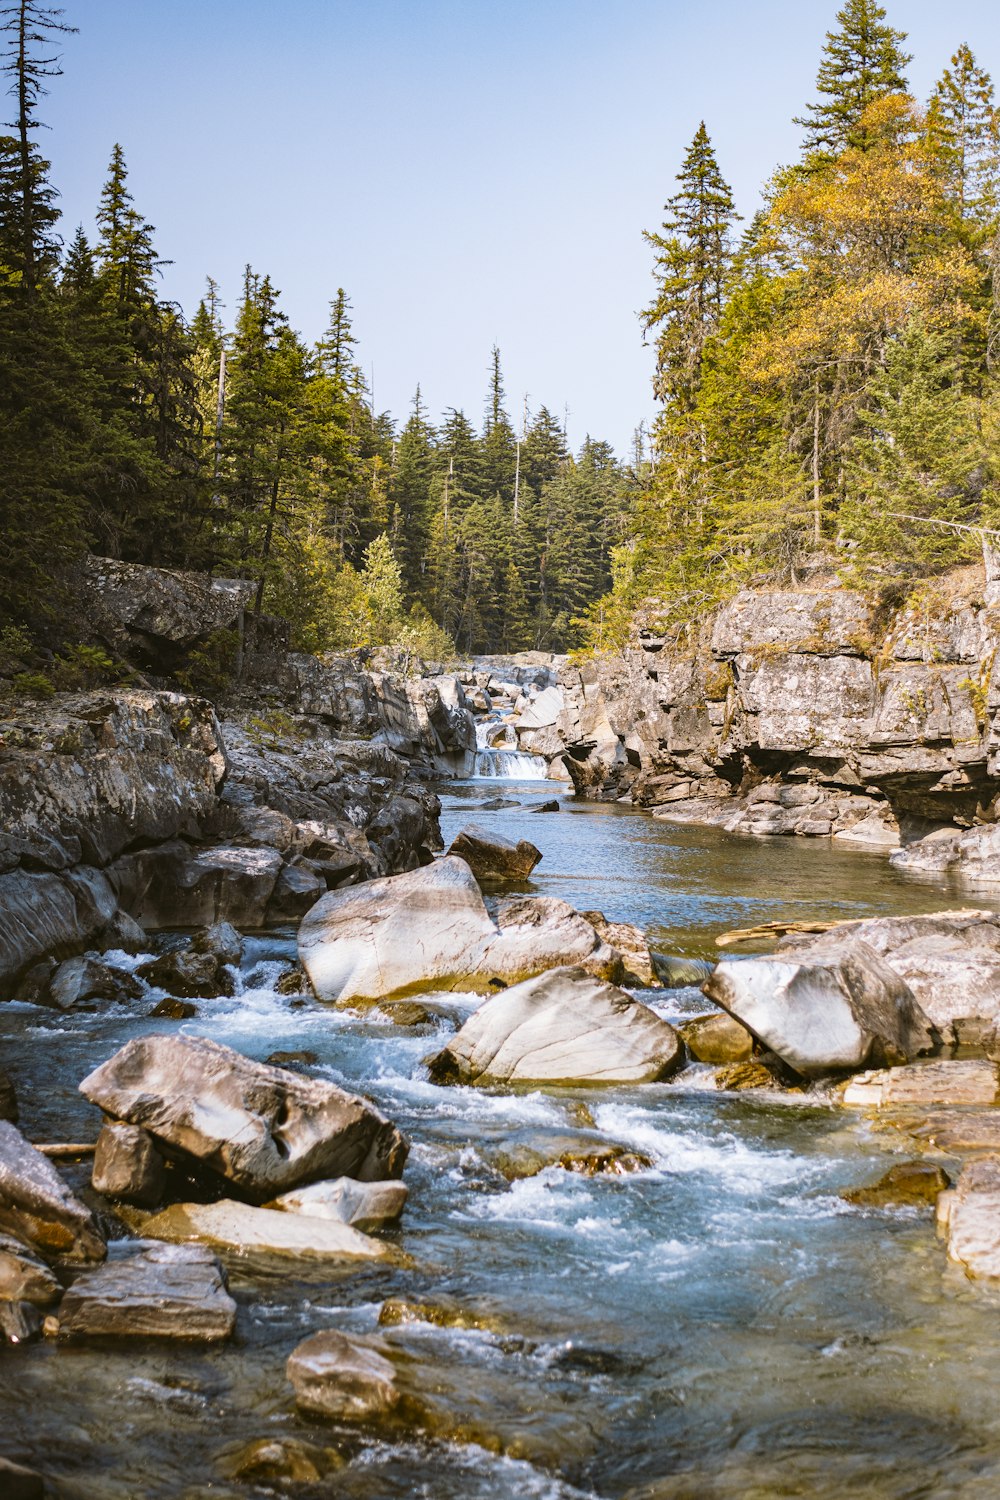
x,y
562,1027
156,616
969,1215
432,930
797,712
263,1129
830,1011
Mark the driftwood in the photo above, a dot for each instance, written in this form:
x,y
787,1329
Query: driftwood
x,y
66,1148
769,930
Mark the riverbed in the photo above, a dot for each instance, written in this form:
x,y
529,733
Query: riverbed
x,y
722,1325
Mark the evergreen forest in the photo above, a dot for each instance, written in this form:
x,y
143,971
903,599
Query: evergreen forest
x,y
827,381
827,374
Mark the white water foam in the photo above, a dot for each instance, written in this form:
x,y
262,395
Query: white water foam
x,y
499,759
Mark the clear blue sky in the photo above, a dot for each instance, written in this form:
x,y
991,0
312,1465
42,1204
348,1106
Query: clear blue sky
x,y
472,171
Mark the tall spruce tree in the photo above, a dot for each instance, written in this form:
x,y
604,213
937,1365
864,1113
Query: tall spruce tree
x,y
862,61
964,130
693,253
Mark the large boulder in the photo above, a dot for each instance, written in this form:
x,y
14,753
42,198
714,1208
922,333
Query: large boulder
x,y
562,1027
159,614
969,1214
949,959
175,885
127,1165
264,1129
37,1207
834,1011
167,1291
492,857
431,930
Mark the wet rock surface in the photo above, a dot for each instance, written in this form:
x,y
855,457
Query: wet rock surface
x,y
563,1026
368,1206
166,1291
24,1276
240,1229
37,1207
127,1165
265,1129
491,857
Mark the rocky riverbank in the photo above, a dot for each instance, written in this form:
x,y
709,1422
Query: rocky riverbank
x,y
811,713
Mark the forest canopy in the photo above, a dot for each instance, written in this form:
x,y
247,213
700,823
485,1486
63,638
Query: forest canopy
x,y
828,375
237,447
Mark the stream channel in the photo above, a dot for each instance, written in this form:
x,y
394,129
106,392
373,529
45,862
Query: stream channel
x,y
723,1326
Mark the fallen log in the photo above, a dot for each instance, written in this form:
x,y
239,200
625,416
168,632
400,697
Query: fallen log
x,y
771,929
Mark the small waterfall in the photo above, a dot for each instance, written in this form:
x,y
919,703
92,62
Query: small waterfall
x,y
498,757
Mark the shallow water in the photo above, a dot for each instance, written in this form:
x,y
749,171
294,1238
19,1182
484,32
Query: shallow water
x,y
722,1325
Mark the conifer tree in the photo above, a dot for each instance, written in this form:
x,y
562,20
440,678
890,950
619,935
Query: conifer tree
x,y
862,61
499,443
964,129
693,253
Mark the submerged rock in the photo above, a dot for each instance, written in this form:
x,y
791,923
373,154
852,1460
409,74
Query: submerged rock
x,y
366,1205
430,930
127,1165
492,857
37,1207
397,1312
244,1230
345,1377
563,1026
169,1009
184,974
675,973
529,1152
908,1182
168,1291
828,1013
20,1323
284,1461
263,1128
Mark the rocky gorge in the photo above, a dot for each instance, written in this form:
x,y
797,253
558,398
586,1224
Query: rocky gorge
x,y
357,1118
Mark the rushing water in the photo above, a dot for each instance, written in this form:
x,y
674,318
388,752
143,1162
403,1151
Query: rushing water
x,y
497,755
722,1325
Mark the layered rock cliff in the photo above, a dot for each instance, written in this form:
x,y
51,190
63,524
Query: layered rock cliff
x,y
798,713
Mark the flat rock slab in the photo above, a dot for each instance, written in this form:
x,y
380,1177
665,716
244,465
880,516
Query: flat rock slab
x,y
561,1027
266,1129
430,930
169,1291
492,857
971,1132
366,1205
971,1082
835,1010
241,1229
970,1216
37,1207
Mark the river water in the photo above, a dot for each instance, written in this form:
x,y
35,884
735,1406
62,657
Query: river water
x,y
722,1326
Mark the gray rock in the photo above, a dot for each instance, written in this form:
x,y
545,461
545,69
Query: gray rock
x,y
24,1276
127,1165
345,1377
80,980
185,973
969,1214
263,1128
823,624
431,930
221,940
122,934
297,889
950,959
162,611
835,1010
630,941
48,914
173,885
167,1291
367,1205
492,857
561,1027
37,1208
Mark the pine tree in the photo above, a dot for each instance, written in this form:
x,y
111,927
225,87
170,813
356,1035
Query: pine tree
x,y
693,253
861,62
409,496
499,443
963,126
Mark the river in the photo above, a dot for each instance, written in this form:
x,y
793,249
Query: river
x,y
722,1326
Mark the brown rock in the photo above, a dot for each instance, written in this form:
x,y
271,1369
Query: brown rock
x,y
169,1291
717,1039
37,1208
348,1378
127,1165
17,1483
492,857
24,1277
169,1009
906,1182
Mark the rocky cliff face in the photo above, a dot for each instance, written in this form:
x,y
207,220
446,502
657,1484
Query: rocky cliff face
x,y
798,713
